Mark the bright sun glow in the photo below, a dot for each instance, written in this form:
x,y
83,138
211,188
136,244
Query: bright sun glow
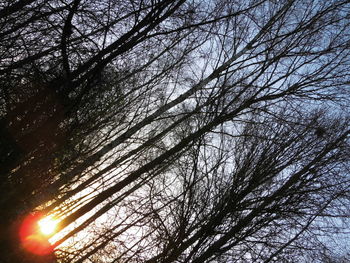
x,y
47,225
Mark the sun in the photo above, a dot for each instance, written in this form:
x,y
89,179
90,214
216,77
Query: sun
x,y
47,226
35,232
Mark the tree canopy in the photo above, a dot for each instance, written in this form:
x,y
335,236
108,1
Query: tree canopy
x,y
174,130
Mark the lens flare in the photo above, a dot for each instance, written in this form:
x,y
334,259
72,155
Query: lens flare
x,y
34,233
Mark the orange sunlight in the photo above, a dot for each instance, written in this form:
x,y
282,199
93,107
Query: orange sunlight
x,y
34,233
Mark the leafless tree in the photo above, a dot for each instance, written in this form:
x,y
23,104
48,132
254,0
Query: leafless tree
x,y
175,131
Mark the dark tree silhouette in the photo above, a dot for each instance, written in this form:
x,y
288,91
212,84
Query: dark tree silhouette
x,y
174,130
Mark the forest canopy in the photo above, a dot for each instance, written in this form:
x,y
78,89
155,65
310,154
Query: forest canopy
x,y
174,131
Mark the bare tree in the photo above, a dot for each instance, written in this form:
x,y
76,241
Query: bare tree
x,y
175,131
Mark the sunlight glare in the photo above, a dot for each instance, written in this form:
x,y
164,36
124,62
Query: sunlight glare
x,y
47,225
